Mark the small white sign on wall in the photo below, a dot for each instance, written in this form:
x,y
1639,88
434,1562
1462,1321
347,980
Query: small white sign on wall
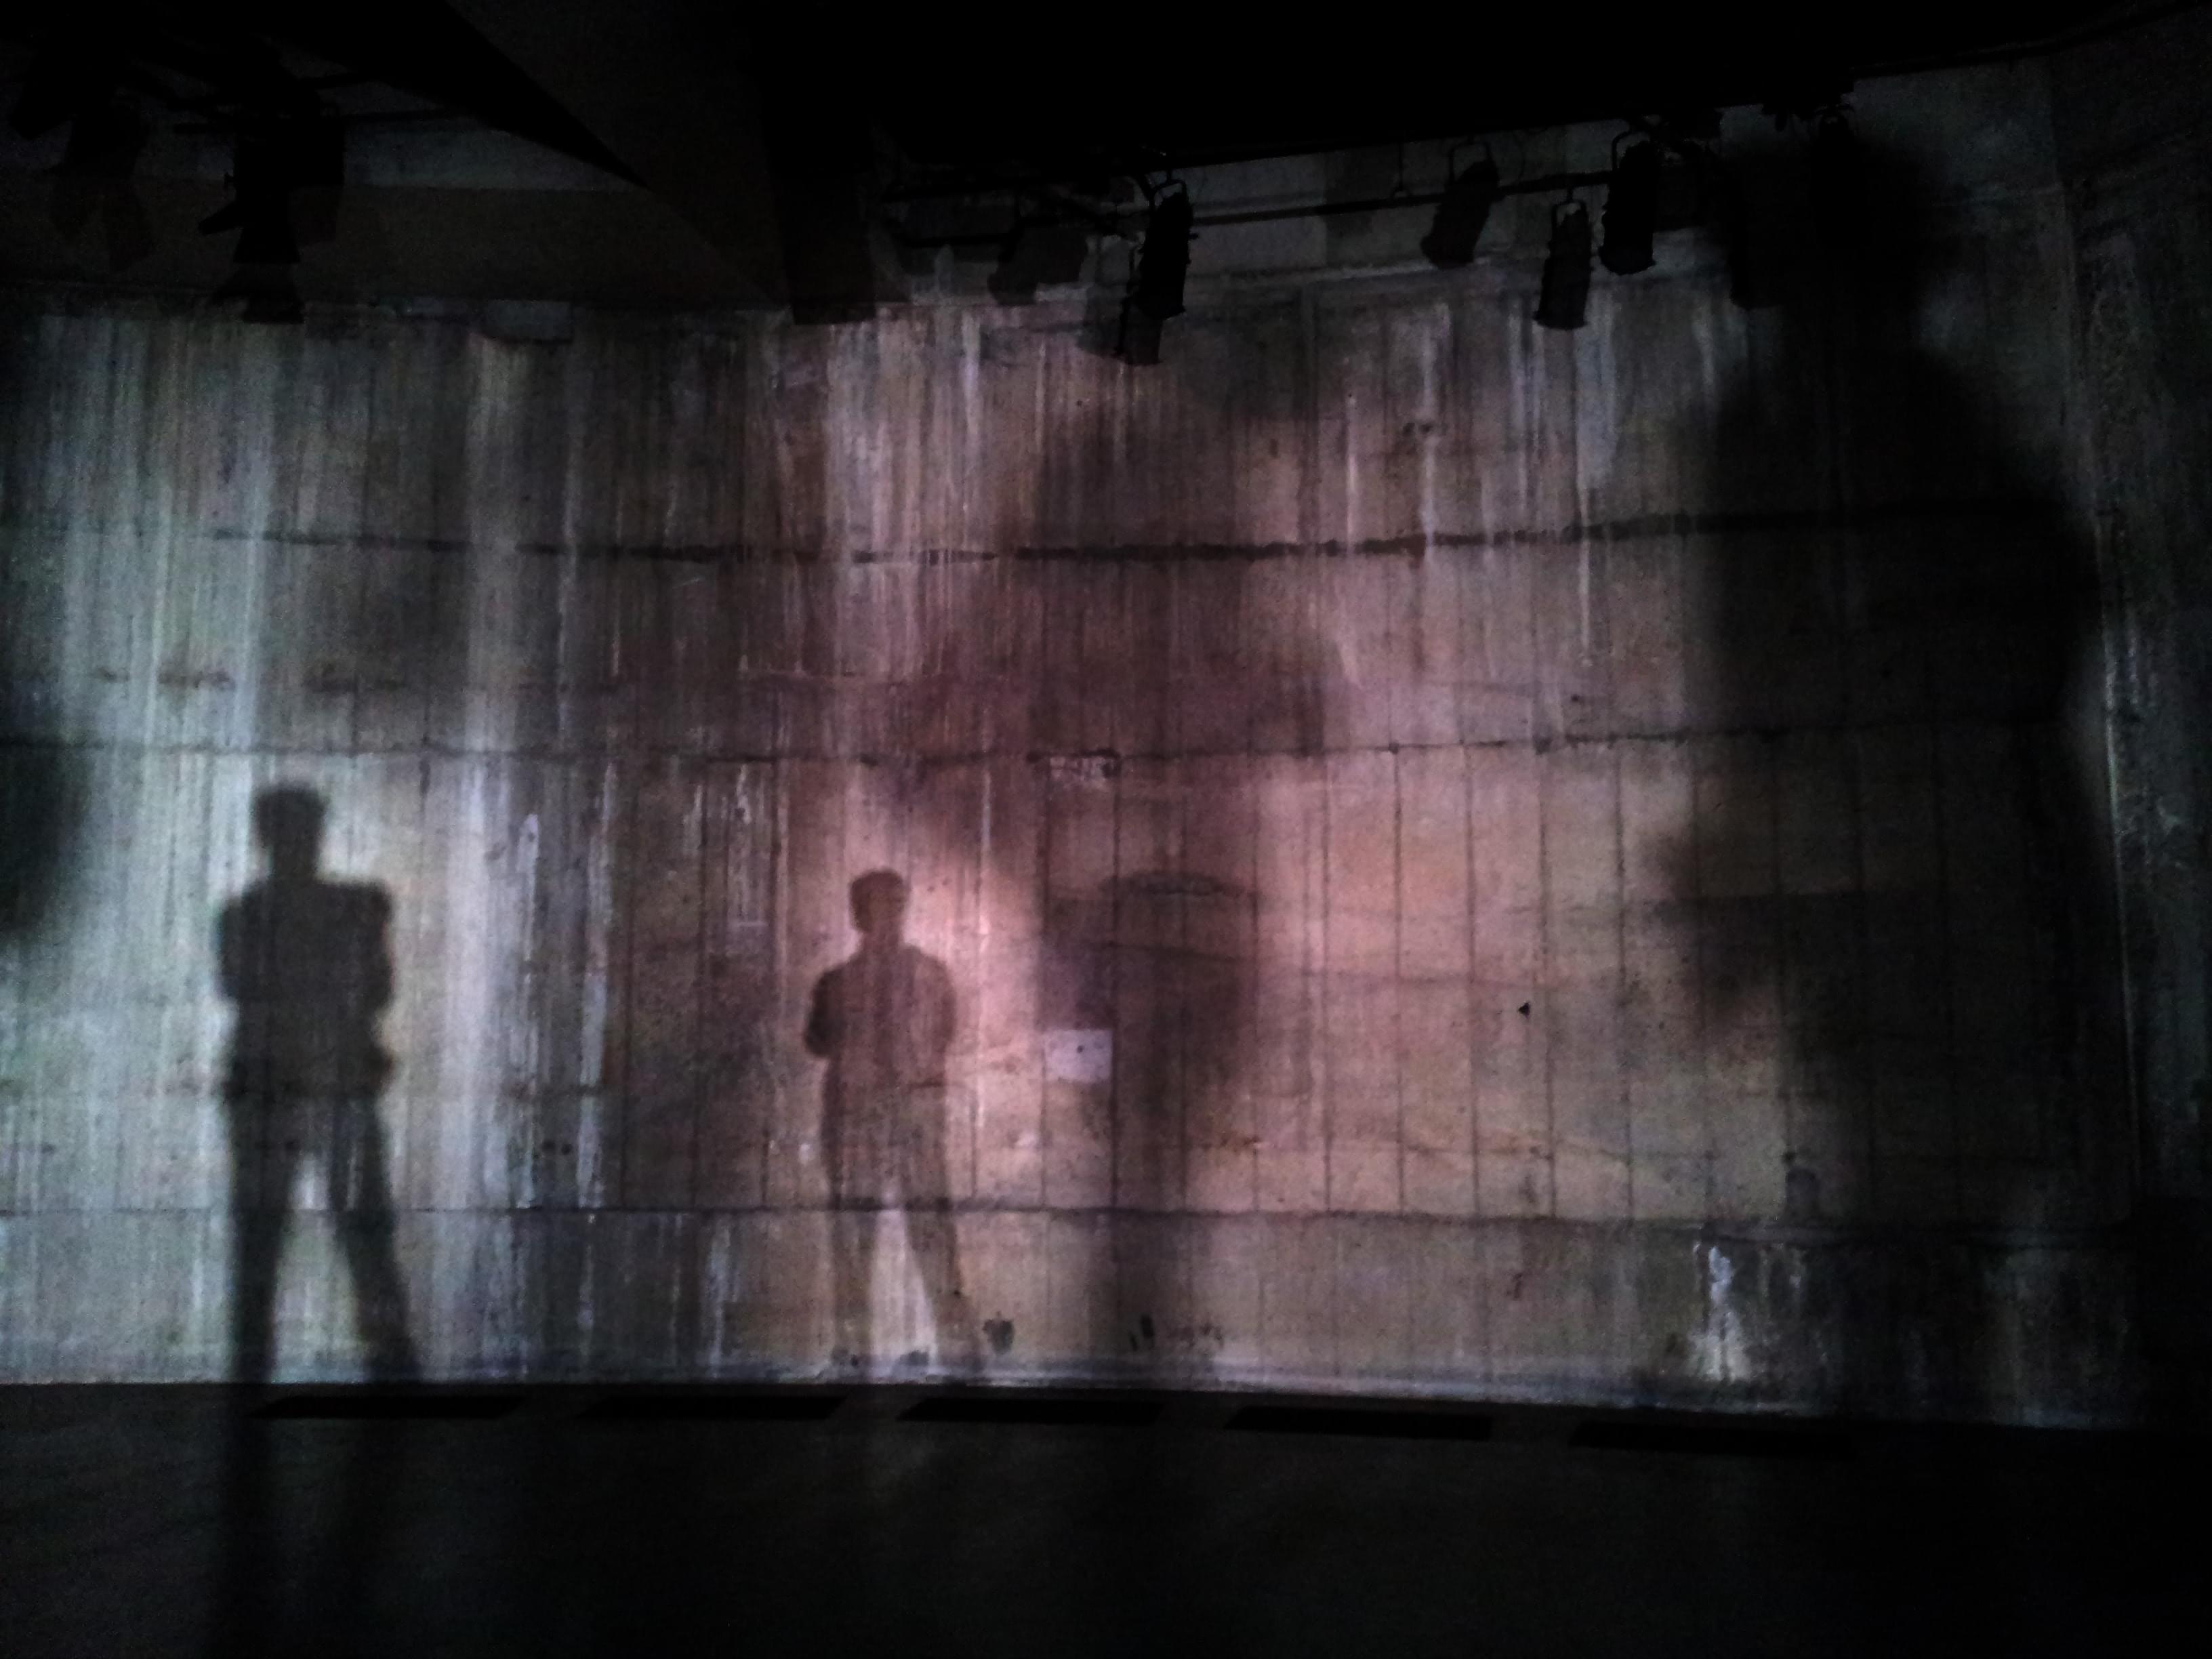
x,y
1072,1056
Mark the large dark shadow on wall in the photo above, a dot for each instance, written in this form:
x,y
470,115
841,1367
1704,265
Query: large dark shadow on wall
x,y
305,963
39,786
38,792
1157,697
884,1021
1897,868
35,810
1184,688
39,803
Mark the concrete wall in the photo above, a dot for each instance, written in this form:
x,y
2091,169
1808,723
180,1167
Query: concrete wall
x,y
1468,858
2136,153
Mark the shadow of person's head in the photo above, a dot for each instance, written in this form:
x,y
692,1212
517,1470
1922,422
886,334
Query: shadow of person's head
x,y
287,822
879,907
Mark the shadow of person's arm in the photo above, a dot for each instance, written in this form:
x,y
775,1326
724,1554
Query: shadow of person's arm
x,y
376,977
821,1034
941,1016
948,1022
230,948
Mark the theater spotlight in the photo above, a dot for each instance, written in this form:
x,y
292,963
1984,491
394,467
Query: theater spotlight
x,y
287,173
317,164
1013,283
1632,209
1564,301
1462,215
1757,276
1035,254
1166,257
1838,182
260,210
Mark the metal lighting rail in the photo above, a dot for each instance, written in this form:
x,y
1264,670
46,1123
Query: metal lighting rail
x,y
1541,185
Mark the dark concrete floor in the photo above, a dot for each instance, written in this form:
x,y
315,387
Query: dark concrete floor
x,y
555,1521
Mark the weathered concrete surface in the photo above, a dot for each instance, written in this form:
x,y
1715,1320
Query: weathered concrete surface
x,y
1466,858
2133,149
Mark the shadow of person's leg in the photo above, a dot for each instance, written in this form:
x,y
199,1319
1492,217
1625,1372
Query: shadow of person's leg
x,y
936,1241
360,1202
351,1556
260,1215
926,1191
852,1264
247,1609
849,1153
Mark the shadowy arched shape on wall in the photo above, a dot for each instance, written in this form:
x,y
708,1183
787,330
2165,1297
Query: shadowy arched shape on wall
x,y
1897,869
884,1019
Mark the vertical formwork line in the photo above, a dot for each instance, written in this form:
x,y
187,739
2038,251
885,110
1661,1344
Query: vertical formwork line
x,y
1117,1098
1621,985
1936,776
1863,1077
1473,979
1246,1050
696,1081
625,898
1398,959
979,958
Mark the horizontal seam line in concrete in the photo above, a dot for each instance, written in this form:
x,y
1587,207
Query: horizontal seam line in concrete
x,y
926,760
2115,1235
1642,527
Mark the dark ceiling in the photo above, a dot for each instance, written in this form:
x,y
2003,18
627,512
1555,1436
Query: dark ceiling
x,y
770,133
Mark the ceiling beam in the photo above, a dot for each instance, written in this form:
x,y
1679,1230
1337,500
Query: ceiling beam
x,y
669,88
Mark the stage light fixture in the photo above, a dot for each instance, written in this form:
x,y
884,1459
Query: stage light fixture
x,y
261,207
287,174
1462,215
1137,339
1165,256
1632,209
1011,281
1565,301
1759,274
1838,181
1035,255
316,161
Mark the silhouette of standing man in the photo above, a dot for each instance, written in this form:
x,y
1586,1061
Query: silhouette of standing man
x,y
305,962
884,1020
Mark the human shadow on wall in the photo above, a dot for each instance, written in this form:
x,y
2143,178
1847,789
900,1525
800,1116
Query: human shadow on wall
x,y
1911,907
884,1020
307,965
305,960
